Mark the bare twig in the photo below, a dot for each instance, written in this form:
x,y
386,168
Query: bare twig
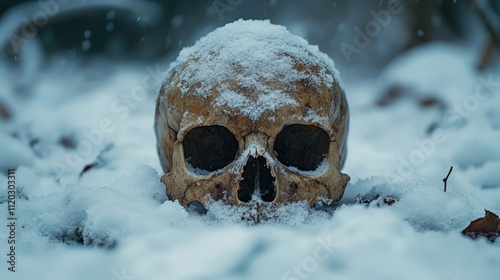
x,y
445,180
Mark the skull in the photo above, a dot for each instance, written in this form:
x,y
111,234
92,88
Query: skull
x,y
252,113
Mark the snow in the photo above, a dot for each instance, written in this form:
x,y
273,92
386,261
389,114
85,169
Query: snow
x,y
312,116
486,176
252,53
403,70
316,172
115,222
194,170
253,108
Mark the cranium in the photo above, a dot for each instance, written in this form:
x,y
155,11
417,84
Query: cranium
x,y
252,112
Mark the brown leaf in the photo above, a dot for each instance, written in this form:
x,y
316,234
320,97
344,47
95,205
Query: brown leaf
x,y
489,227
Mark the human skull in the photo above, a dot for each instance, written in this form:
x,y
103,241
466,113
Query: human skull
x,y
252,113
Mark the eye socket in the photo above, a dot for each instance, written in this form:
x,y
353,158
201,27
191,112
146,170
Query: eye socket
x,y
209,148
302,146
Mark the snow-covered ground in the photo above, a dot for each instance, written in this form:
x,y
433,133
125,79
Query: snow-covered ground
x,y
66,115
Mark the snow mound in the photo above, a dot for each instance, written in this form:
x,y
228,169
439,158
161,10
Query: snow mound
x,y
94,215
16,154
254,55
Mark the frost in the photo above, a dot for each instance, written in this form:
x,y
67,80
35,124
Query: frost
x,y
195,170
316,172
312,116
254,108
255,55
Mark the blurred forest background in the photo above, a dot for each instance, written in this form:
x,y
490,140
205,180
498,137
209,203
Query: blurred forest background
x,y
33,31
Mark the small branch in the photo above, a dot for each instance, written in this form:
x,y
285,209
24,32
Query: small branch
x,y
445,180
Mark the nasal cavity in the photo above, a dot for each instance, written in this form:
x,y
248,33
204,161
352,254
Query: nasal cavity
x,y
257,179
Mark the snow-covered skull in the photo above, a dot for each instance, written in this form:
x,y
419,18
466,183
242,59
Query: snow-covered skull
x,y
252,113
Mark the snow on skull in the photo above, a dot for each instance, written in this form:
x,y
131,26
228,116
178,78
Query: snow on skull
x,y
252,113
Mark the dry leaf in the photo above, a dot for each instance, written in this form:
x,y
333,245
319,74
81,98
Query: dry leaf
x,y
489,227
